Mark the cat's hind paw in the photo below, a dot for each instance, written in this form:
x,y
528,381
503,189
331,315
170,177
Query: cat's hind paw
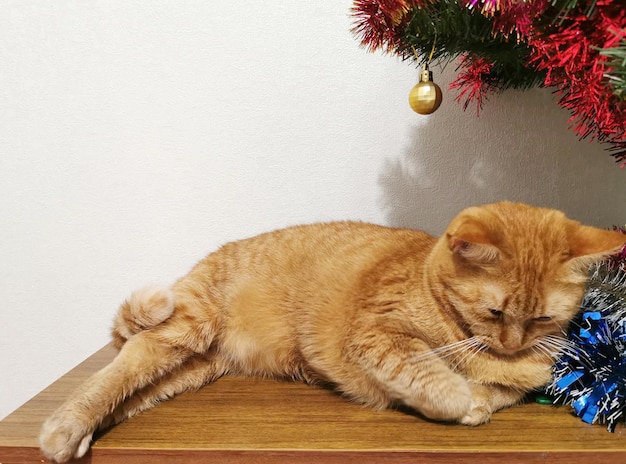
x,y
62,441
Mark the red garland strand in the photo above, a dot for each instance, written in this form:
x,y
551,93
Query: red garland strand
x,y
519,17
571,57
511,16
472,81
380,23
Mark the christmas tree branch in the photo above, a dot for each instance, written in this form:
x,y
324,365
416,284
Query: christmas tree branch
x,y
616,64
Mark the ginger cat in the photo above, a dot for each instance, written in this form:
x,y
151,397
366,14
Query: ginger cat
x,y
385,315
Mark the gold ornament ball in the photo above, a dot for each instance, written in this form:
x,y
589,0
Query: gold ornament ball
x,y
426,96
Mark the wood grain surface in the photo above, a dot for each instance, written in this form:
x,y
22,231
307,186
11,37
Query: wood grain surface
x,y
237,420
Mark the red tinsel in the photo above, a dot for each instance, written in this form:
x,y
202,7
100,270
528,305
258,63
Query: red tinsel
x,y
473,81
511,16
570,54
379,23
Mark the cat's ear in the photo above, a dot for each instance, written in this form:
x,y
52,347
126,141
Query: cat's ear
x,y
472,242
588,244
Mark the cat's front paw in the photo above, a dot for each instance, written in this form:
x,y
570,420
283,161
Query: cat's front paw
x,y
480,409
450,407
478,414
64,437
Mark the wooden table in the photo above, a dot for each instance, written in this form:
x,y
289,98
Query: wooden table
x,y
239,420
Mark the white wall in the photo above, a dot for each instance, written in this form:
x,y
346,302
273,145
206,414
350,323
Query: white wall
x,y
136,136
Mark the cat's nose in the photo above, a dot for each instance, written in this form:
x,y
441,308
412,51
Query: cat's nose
x,y
511,340
511,346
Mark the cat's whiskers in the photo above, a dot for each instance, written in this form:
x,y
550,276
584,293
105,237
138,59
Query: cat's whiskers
x,y
464,346
438,352
460,352
552,346
547,347
561,344
472,351
541,351
562,329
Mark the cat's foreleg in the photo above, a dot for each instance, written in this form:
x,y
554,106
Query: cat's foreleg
x,y
143,359
403,367
487,399
191,375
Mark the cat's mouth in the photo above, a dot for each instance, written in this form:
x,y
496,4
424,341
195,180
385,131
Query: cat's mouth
x,y
508,353
492,347
539,350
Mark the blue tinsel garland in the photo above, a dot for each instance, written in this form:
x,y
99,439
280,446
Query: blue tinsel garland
x,y
590,375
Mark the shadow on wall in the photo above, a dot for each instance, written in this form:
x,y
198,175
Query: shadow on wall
x,y
519,149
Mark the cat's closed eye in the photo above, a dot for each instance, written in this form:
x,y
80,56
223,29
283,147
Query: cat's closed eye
x,y
543,319
496,312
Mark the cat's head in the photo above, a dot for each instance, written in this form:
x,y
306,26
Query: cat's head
x,y
513,275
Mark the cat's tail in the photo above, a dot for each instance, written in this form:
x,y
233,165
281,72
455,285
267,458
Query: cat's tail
x,y
146,308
